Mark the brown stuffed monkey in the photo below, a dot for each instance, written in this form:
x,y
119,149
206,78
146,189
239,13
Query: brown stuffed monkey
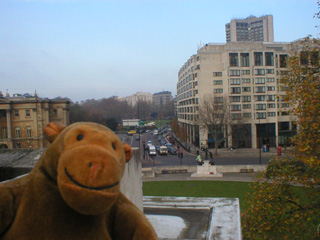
x,y
73,192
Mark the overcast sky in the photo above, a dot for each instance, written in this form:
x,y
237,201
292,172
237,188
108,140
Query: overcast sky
x,y
90,49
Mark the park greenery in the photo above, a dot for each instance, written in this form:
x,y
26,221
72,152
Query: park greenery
x,y
277,210
110,111
199,189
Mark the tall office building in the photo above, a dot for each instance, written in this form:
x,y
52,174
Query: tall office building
x,y
161,98
138,97
249,75
250,29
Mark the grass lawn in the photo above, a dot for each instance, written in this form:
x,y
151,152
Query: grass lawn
x,y
199,189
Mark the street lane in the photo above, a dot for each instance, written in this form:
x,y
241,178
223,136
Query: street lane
x,y
188,159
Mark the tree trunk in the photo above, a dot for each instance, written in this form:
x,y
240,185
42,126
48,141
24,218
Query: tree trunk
x,y
215,148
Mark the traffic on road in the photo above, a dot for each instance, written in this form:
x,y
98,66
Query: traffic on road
x,y
159,148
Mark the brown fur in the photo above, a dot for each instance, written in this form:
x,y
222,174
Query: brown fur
x,y
73,192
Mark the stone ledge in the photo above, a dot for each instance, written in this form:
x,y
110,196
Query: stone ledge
x,y
194,218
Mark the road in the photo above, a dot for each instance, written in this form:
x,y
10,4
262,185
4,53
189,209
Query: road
x,y
188,159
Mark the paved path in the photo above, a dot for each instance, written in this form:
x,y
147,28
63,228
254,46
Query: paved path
x,y
234,177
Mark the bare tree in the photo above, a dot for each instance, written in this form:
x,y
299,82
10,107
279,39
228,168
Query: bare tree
x,y
183,134
175,126
143,109
214,116
99,110
167,109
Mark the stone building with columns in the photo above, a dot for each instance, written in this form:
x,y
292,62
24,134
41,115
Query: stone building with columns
x,y
23,118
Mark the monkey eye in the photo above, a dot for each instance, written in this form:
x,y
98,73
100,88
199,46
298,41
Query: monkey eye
x,y
113,146
80,137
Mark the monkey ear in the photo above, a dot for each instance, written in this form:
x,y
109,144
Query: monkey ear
x,y
127,151
52,130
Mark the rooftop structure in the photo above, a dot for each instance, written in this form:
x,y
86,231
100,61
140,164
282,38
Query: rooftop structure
x,y
250,29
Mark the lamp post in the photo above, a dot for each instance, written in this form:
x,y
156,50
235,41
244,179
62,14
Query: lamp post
x,y
259,133
139,121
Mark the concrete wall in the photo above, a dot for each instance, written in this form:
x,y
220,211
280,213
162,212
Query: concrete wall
x,y
131,183
237,168
150,172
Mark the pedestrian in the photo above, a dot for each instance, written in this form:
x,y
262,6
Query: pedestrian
x,y
199,160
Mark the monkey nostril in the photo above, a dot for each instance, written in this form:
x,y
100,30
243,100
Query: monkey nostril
x,y
90,164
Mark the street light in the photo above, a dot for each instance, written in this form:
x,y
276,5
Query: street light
x,y
139,122
259,133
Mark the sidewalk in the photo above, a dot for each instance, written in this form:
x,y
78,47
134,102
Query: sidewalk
x,y
243,152
249,152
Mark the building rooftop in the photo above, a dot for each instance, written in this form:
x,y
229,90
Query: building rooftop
x,y
27,97
163,92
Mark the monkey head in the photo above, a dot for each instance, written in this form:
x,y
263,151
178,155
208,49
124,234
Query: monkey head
x,y
90,161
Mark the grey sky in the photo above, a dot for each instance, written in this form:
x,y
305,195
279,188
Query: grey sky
x,y
94,49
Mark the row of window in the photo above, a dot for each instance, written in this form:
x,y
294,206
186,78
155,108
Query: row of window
x,y
258,89
311,57
16,113
4,132
237,116
259,106
187,64
189,102
237,90
188,109
257,80
185,84
259,115
237,81
188,94
257,98
258,71
186,87
259,58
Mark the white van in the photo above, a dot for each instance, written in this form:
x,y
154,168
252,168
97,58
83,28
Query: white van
x,y
163,150
152,150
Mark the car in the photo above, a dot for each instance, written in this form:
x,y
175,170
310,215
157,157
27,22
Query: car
x,y
163,150
141,131
137,137
168,145
149,143
131,132
171,139
163,142
152,150
157,148
172,150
